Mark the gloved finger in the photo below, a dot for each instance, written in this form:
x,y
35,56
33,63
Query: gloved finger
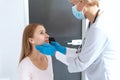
x,y
39,47
53,42
46,50
45,44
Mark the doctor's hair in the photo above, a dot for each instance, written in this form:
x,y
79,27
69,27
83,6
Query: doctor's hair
x,y
26,46
92,2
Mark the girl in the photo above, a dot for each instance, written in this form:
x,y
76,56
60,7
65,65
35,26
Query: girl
x,y
33,64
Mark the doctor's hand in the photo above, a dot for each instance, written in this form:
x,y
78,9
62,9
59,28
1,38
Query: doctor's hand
x,y
46,49
58,47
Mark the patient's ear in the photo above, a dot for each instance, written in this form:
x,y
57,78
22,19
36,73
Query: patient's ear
x,y
31,40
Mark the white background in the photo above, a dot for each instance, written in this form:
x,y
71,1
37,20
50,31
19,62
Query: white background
x,y
13,18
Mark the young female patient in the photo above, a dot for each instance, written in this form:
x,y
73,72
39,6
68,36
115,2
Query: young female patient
x,y
33,64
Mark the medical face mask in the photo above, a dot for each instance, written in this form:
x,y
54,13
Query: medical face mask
x,y
78,14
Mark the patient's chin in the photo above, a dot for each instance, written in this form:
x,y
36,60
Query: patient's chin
x,y
47,41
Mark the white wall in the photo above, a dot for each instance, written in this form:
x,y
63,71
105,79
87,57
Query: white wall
x,y
13,18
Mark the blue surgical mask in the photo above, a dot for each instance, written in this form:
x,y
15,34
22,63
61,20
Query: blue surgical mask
x,y
78,14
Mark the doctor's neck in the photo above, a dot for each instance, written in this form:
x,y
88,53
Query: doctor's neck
x,y
92,14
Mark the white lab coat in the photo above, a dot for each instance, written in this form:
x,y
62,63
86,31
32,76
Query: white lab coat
x,y
100,54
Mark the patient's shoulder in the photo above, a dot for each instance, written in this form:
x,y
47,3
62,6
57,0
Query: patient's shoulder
x,y
25,63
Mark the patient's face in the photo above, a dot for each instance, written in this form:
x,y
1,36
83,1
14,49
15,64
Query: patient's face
x,y
40,35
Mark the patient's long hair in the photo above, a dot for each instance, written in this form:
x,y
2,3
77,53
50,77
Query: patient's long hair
x,y
26,46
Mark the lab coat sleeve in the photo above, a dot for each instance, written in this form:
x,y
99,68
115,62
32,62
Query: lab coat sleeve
x,y
91,50
63,58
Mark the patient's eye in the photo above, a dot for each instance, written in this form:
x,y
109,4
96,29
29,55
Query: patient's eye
x,y
41,32
80,0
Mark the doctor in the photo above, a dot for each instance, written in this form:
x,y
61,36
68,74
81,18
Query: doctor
x,y
99,56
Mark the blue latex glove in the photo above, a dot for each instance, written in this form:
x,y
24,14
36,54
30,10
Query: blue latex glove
x,y
46,49
58,47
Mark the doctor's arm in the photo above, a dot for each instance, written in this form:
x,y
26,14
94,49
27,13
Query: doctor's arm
x,y
94,44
